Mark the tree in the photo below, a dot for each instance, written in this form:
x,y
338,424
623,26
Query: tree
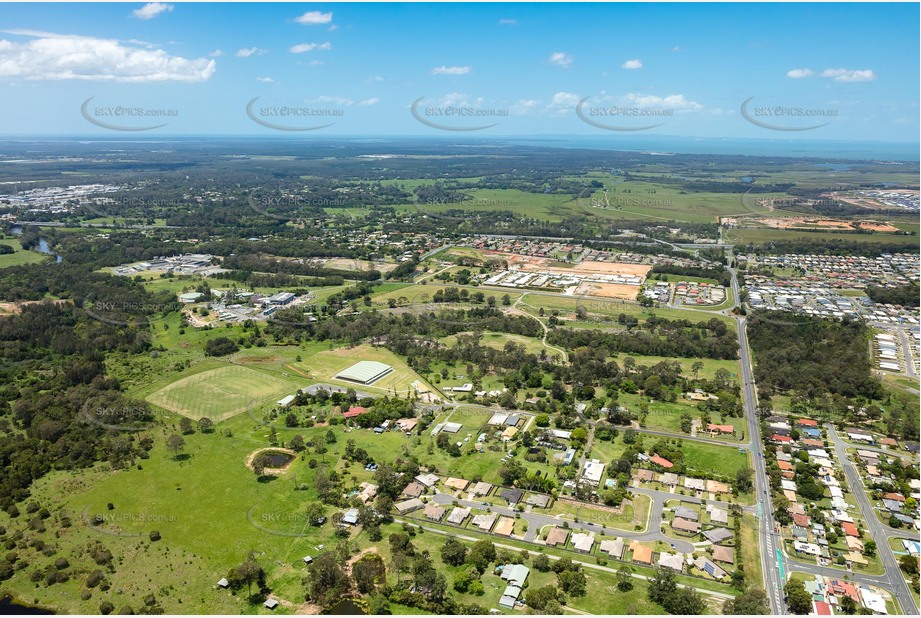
x,y
205,425
909,564
542,420
848,605
330,437
798,600
573,583
662,586
368,572
685,602
175,443
542,563
297,443
326,581
481,554
624,578
464,579
752,602
696,366
579,436
453,552
869,548
538,598
744,478
315,513
249,572
260,463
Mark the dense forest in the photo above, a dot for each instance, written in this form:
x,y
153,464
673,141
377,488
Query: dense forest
x,y
906,295
657,337
62,420
811,356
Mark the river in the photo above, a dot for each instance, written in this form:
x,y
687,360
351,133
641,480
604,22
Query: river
x,y
43,246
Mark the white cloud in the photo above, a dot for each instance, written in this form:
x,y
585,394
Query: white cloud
x,y
632,64
152,9
443,70
52,56
677,48
524,106
848,75
563,102
306,47
560,59
316,63
369,102
334,100
311,18
246,52
374,78
217,53
459,99
799,73
265,80
677,102
508,22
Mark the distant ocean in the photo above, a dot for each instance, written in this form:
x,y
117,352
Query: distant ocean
x,y
800,148
665,144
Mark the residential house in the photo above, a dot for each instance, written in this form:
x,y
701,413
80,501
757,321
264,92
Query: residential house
x,y
583,541
433,512
614,548
671,561
683,525
557,536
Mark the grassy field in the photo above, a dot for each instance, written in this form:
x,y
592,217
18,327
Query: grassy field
x,y
634,516
211,512
710,366
220,393
19,256
602,308
498,341
765,235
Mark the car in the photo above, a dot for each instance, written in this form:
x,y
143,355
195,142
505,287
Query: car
x,y
486,504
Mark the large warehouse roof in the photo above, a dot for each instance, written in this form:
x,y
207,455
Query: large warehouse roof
x,y
365,372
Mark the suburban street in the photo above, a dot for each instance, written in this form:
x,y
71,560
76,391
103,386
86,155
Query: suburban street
x,y
536,521
893,579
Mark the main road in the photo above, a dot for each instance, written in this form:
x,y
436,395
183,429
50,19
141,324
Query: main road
x,y
772,558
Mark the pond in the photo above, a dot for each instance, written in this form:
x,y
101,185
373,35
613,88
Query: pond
x,y
278,460
9,607
346,607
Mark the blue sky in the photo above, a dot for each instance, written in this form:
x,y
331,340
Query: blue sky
x,y
687,68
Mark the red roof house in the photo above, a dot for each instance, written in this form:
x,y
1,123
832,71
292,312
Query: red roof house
x,y
850,529
353,412
661,461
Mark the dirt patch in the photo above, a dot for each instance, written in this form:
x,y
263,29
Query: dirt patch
x,y
350,264
16,306
619,510
875,226
613,268
608,290
255,360
351,562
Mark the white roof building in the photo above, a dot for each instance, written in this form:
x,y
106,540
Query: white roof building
x,y
593,471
